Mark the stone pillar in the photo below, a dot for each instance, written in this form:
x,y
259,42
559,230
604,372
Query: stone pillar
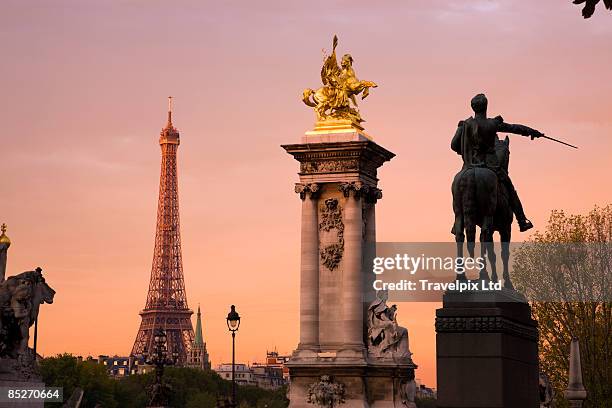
x,y
352,290
575,392
338,171
309,270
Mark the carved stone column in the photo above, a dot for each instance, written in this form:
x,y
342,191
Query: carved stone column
x,y
309,275
352,290
338,238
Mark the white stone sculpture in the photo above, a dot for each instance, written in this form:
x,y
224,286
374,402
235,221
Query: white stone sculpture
x,y
386,338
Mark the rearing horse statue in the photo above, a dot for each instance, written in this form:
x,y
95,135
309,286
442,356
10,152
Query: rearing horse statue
x,y
336,98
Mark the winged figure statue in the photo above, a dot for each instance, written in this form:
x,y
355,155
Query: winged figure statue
x,y
336,99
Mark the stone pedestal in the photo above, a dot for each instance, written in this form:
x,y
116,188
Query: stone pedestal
x,y
338,189
365,385
21,373
487,351
21,384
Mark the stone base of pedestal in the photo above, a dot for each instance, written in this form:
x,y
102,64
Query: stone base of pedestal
x,y
487,351
20,384
20,373
365,384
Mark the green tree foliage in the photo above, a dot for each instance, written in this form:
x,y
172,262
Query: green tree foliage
x,y
201,400
191,388
65,371
425,402
260,398
566,273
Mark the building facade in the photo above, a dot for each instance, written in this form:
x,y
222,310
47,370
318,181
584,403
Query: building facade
x,y
273,359
270,375
266,377
244,374
423,391
120,366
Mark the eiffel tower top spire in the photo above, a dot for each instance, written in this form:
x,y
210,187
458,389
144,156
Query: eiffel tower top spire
x,y
169,134
169,112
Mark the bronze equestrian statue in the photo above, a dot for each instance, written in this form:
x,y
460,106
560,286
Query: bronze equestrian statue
x,y
483,194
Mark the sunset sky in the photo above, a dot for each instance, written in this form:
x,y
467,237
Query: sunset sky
x,y
85,86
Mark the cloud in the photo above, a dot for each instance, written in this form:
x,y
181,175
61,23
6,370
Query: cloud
x,y
464,9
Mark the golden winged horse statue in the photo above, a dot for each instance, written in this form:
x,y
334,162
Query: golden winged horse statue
x,y
335,100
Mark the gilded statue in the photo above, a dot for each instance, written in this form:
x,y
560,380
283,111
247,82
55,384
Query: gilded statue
x,y
336,99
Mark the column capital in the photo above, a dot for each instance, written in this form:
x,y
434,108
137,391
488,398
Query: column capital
x,y
309,188
355,187
359,189
373,195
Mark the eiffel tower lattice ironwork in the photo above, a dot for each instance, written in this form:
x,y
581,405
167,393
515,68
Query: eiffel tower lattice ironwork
x,y
166,305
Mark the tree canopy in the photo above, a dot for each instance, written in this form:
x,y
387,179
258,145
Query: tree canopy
x,y
589,6
191,388
566,273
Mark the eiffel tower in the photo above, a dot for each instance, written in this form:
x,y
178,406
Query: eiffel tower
x,y
166,305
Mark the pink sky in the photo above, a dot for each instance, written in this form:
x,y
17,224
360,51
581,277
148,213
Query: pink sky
x,y
85,84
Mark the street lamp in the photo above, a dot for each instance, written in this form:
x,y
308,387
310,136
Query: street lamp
x,y
159,358
233,322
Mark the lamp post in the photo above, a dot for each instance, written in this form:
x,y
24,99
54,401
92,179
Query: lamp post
x,y
159,358
233,322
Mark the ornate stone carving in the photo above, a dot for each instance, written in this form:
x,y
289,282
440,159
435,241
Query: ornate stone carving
x,y
331,219
355,187
485,324
547,392
304,189
358,189
366,155
406,392
329,166
326,394
373,195
386,338
331,255
20,300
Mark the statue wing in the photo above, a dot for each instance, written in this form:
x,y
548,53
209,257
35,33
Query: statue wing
x,y
330,73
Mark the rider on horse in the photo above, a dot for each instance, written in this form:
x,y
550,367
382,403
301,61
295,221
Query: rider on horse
x,y
475,140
